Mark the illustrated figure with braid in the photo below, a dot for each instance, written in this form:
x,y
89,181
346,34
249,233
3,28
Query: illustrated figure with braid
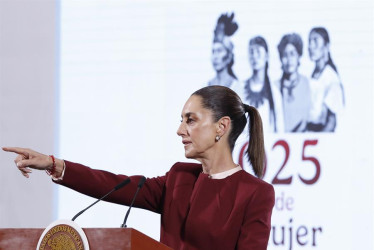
x,y
326,88
258,90
211,205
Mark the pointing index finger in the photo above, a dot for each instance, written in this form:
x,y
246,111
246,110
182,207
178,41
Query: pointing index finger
x,y
17,150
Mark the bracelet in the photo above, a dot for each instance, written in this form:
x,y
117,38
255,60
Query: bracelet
x,y
52,171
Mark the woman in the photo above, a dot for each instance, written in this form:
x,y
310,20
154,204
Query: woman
x,y
294,87
326,87
212,205
222,54
258,91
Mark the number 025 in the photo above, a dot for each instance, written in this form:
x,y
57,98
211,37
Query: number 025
x,y
288,180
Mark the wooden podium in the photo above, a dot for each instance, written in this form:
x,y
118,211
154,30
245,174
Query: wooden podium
x,y
98,238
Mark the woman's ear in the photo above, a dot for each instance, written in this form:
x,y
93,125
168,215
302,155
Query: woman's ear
x,y
223,125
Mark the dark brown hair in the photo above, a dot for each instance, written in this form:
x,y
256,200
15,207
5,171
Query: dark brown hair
x,y
223,101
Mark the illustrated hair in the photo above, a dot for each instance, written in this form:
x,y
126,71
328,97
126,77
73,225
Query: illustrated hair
x,y
229,68
293,39
325,36
297,42
260,41
229,25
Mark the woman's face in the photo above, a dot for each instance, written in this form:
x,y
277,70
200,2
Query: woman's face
x,y
220,57
257,57
290,59
317,46
197,128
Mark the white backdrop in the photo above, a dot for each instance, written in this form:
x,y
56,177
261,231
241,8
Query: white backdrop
x,y
28,104
127,67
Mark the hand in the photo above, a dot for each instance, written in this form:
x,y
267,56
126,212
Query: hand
x,y
28,158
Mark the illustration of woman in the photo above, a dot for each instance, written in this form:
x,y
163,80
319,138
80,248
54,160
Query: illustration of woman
x,y
294,87
326,88
258,91
222,53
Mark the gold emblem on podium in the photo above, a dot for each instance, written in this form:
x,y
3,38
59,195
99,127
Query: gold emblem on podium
x,y
63,235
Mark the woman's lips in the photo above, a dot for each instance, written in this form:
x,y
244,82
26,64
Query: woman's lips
x,y
186,143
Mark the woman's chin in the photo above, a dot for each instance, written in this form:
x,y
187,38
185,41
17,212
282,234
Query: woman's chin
x,y
189,155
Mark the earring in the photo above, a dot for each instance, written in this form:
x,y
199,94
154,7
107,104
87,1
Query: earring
x,y
218,137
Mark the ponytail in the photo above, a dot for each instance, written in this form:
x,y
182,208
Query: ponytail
x,y
256,148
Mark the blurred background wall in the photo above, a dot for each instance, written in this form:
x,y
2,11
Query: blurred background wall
x,y
28,111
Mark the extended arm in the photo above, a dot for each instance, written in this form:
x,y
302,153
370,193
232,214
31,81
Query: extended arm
x,y
94,183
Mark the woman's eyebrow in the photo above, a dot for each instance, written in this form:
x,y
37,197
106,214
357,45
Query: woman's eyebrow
x,y
188,114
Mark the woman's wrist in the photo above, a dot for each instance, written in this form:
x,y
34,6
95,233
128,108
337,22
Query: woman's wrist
x,y
51,166
59,169
56,167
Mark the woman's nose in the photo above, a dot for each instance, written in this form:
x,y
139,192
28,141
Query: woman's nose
x,y
180,130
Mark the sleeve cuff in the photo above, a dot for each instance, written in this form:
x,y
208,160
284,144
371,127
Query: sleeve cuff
x,y
62,174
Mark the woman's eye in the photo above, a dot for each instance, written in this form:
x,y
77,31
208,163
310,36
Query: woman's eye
x,y
189,120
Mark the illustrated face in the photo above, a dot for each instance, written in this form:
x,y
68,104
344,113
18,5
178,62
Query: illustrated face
x,y
290,59
220,57
197,128
257,57
317,46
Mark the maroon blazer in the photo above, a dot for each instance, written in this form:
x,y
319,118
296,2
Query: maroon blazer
x,y
196,212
